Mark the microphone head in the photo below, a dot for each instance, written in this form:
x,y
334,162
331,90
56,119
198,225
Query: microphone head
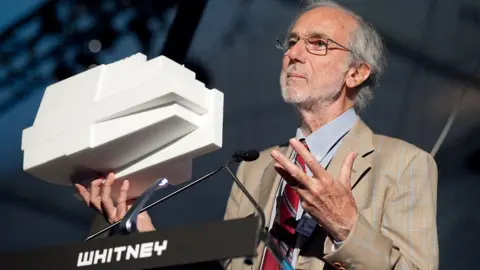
x,y
249,155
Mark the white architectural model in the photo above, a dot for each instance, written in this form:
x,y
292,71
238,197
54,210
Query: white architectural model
x,y
140,119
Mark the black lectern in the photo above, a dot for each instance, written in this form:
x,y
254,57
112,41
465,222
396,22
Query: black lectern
x,y
200,246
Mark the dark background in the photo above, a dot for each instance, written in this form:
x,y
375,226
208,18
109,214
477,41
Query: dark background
x,y
432,69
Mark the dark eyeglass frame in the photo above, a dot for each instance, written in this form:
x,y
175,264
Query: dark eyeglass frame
x,y
283,43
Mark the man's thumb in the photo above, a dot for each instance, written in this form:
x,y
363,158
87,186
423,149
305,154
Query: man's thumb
x,y
346,170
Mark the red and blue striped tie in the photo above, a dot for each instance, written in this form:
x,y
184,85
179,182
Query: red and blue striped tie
x,y
286,220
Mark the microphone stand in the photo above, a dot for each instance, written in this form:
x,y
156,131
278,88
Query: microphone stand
x,y
245,191
263,233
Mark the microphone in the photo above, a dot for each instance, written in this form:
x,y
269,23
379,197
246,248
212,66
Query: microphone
x,y
238,156
249,155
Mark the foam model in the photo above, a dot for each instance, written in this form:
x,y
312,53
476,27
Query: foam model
x,y
140,119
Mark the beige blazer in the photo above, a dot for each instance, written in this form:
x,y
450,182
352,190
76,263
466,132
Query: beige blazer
x,y
395,188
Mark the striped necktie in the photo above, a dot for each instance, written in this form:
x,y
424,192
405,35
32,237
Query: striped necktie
x,y
283,231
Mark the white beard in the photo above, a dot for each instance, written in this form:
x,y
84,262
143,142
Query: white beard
x,y
313,97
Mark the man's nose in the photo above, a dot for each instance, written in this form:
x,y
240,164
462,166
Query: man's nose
x,y
297,52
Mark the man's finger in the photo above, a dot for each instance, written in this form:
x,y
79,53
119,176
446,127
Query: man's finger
x,y
306,196
307,206
95,194
122,200
317,170
107,202
286,176
346,171
290,168
83,193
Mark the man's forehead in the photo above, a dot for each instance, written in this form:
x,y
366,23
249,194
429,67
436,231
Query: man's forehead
x,y
328,21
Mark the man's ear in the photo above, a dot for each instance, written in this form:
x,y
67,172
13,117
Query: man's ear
x,y
356,75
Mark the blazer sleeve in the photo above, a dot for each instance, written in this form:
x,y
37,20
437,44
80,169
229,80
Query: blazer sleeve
x,y
408,236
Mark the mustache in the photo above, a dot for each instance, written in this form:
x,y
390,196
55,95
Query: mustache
x,y
294,69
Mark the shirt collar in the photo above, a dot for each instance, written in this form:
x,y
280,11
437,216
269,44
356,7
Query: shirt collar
x,y
324,138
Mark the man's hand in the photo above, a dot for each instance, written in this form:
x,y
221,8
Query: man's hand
x,y
99,198
329,201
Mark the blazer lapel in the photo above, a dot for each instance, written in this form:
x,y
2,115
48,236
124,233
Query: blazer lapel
x,y
360,140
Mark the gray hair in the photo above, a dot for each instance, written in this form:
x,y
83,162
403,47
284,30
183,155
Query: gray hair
x,y
366,46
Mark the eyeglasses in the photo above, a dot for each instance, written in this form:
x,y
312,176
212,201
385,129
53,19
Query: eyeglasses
x,y
315,44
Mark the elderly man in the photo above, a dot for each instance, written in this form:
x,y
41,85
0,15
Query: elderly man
x,y
337,194
345,197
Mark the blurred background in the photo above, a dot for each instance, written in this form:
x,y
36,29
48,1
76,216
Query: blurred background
x,y
433,69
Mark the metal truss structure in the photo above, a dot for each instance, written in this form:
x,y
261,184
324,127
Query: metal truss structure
x,y
52,43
